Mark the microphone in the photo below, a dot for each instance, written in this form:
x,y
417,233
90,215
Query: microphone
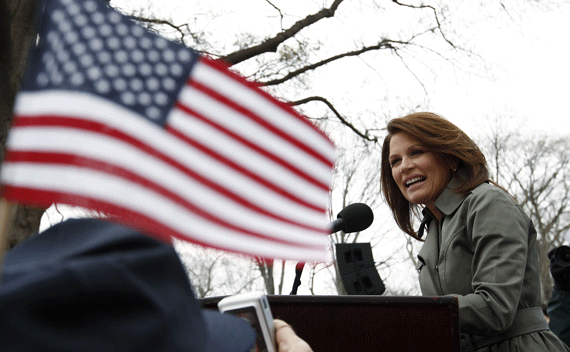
x,y
354,218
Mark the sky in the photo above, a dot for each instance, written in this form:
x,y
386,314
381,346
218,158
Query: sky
x,y
524,74
525,55
531,80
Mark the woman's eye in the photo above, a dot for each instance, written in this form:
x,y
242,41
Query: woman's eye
x,y
394,162
417,152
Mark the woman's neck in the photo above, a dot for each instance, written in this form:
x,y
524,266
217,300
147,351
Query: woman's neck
x,y
433,209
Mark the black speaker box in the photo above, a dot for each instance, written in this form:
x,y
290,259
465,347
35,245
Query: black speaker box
x,y
357,269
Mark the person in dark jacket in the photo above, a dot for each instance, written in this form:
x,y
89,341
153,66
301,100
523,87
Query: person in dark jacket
x,y
90,285
558,308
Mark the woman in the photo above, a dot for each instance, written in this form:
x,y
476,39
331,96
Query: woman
x,y
480,246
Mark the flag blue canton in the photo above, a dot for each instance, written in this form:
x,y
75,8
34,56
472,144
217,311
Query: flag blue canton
x,y
87,46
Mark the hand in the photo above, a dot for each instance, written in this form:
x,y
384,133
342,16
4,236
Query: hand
x,y
287,340
560,273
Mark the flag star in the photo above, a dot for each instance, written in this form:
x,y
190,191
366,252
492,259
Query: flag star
x,y
152,84
128,98
80,20
70,67
62,56
78,48
73,9
56,77
129,42
160,98
94,73
113,43
111,70
176,69
144,42
153,56
42,79
65,26
121,56
105,30
120,84
103,86
153,112
168,83
58,16
89,32
137,55
122,29
86,60
114,17
160,43
161,69
169,55
70,38
96,44
144,98
90,6
137,31
104,57
145,69
77,79
129,70
184,55
98,18
136,84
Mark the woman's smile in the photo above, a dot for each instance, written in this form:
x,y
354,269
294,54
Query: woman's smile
x,y
420,174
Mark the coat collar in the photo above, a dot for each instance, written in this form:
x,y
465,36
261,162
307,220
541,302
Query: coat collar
x,y
448,201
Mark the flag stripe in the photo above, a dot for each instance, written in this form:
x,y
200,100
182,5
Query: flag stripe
x,y
115,146
101,112
85,163
216,76
253,117
246,143
242,244
204,105
92,109
107,187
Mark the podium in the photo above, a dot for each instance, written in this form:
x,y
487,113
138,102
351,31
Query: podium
x,y
368,323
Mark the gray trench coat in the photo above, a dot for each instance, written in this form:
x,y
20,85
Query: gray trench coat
x,y
483,251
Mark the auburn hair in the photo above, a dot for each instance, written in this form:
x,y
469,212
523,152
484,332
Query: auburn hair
x,y
438,136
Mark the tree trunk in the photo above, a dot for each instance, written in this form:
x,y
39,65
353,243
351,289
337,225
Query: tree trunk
x,y
16,36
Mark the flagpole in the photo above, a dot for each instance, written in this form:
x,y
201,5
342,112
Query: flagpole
x,y
6,219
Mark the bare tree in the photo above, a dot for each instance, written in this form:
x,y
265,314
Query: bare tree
x,y
216,273
287,61
535,169
542,186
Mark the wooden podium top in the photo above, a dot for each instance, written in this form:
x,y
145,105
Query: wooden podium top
x,y
368,323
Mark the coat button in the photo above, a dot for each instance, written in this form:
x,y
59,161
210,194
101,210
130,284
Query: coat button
x,y
437,268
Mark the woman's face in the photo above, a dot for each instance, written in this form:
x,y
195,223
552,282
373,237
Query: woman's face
x,y
420,175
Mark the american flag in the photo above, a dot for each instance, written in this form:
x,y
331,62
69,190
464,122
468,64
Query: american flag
x,y
115,118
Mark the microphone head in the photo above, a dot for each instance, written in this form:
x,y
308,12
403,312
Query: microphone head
x,y
357,217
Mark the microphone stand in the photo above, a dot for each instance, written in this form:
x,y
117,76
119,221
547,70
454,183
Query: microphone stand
x,y
297,282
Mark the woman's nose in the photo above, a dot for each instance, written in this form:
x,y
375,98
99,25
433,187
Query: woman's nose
x,y
405,165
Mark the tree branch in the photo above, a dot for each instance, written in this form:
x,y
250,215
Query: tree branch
x,y
337,114
434,15
384,44
163,22
271,44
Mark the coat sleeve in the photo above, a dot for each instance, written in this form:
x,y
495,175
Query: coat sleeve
x,y
499,236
